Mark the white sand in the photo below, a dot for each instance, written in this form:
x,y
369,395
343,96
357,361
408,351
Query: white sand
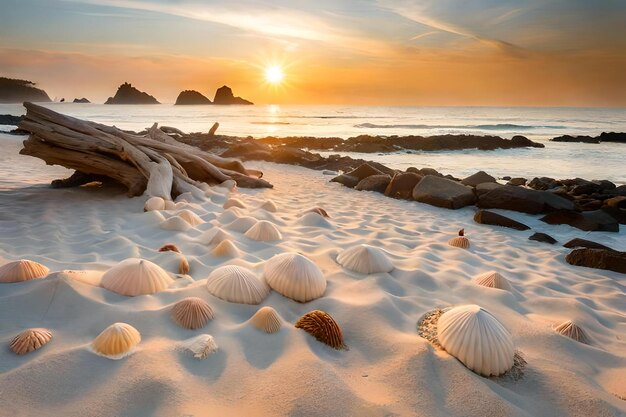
x,y
389,369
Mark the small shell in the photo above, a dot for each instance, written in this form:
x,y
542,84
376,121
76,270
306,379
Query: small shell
x,y
226,249
264,231
573,331
22,270
323,327
201,346
267,320
365,259
175,223
169,247
192,313
217,236
154,204
116,341
459,242
234,202
190,217
492,279
270,206
29,340
134,277
183,266
237,284
242,224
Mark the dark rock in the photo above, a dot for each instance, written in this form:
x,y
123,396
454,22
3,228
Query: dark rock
x,y
522,141
517,181
521,199
347,180
293,156
599,259
402,185
9,119
583,243
477,178
573,182
506,178
612,137
429,171
127,94
542,237
376,183
224,95
590,221
495,219
364,171
18,91
590,205
543,183
619,202
81,100
308,142
580,139
617,213
191,97
62,100
586,188
486,187
605,185
621,190
442,192
413,170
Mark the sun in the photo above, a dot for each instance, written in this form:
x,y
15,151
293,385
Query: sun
x,y
274,74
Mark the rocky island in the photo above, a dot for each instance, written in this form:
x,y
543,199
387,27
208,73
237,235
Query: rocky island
x,y
224,95
127,94
81,100
191,97
17,91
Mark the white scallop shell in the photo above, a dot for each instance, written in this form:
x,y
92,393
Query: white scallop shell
x,y
226,249
264,231
237,284
266,319
201,346
476,338
116,341
242,224
459,242
492,279
573,331
313,219
175,223
154,203
365,259
234,202
22,270
190,217
295,276
192,313
270,206
136,277
29,340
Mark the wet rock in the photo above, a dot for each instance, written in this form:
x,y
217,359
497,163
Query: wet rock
x,y
590,221
619,202
583,243
579,139
598,258
478,178
495,219
376,183
486,187
402,185
442,192
543,183
517,181
521,199
542,237
347,180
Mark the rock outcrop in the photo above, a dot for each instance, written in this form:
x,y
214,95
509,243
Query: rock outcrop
x,y
127,94
598,258
376,183
495,219
542,237
81,100
402,185
18,91
525,200
191,97
9,119
478,178
618,137
590,221
442,192
224,95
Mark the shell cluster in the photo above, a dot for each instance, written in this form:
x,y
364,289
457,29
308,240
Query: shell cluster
x,y
322,327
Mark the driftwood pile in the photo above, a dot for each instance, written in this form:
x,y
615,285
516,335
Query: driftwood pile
x,y
154,164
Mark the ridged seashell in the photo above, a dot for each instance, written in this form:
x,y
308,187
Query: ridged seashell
x,y
237,284
314,220
323,327
230,215
22,270
365,259
317,210
190,217
192,313
476,338
29,340
573,331
234,202
264,231
170,205
217,236
460,241
183,266
136,277
116,341
295,276
270,206
226,249
154,204
492,279
267,320
169,247
201,346
175,223
242,224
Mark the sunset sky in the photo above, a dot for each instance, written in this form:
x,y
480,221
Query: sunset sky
x,y
387,52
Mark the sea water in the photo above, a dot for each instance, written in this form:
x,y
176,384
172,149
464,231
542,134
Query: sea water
x,y
558,160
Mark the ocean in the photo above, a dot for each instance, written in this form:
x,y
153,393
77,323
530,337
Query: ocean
x,y
557,160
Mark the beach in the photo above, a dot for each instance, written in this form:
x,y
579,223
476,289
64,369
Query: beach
x,y
388,369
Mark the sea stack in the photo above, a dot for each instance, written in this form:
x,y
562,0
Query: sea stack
x,y
224,95
81,100
189,97
127,94
17,91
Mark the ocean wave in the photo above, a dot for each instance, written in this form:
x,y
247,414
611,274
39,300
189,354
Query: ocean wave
x,y
270,123
501,126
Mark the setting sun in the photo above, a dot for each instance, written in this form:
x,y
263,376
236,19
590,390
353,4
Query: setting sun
x,y
274,74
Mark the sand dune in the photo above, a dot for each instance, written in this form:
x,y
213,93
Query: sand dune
x,y
388,369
